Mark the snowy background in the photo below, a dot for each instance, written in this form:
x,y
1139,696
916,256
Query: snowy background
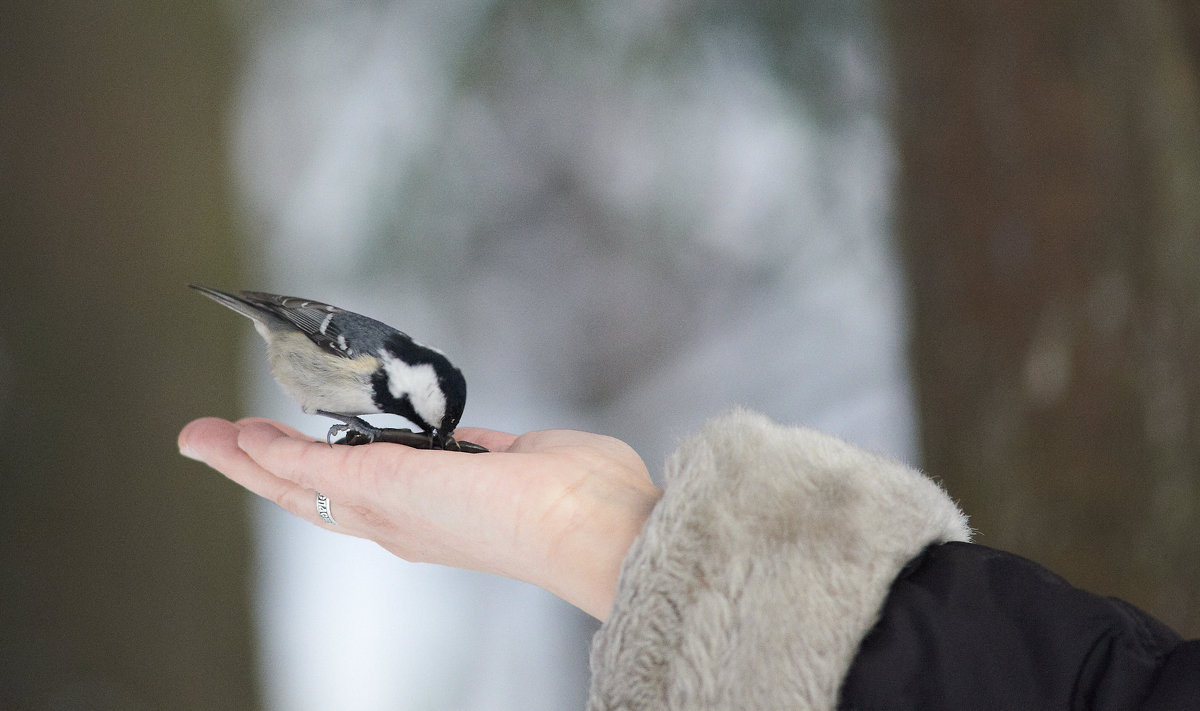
x,y
619,216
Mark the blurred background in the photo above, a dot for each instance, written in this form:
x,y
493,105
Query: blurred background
x,y
965,236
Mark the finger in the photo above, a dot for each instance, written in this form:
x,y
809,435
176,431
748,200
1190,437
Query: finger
x,y
208,439
215,442
301,460
286,429
493,440
194,437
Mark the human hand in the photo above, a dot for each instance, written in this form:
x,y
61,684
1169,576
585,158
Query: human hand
x,y
556,508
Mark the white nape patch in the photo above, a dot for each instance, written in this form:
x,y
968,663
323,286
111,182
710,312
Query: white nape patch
x,y
420,384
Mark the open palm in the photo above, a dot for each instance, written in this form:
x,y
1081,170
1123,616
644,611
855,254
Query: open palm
x,y
556,508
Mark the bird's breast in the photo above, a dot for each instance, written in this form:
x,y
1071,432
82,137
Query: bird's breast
x,y
319,380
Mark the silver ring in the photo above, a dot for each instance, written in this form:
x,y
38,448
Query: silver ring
x,y
323,509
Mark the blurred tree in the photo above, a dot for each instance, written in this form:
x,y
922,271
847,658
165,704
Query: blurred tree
x,y
123,565
1050,168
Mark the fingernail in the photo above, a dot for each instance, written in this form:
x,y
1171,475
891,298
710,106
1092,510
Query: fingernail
x,y
190,453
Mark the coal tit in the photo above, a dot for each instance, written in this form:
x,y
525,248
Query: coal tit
x,y
340,364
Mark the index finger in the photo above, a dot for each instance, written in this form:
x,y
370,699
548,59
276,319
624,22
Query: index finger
x,y
492,439
338,471
215,442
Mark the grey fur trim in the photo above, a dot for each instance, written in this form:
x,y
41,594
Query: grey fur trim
x,y
760,571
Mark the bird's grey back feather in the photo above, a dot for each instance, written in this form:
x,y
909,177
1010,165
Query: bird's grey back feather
x,y
323,323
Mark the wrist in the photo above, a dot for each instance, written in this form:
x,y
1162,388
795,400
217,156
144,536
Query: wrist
x,y
597,529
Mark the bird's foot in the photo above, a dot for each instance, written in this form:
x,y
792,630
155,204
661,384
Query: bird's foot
x,y
356,429
458,445
422,440
359,431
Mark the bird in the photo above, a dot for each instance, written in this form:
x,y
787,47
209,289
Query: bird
x,y
341,364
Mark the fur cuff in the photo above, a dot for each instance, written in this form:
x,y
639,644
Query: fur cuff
x,y
760,571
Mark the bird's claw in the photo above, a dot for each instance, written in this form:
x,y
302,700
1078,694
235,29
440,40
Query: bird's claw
x,y
353,428
357,431
334,431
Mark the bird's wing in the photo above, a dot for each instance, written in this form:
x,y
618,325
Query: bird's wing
x,y
318,321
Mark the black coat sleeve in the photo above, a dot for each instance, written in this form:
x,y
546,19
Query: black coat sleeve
x,y
970,627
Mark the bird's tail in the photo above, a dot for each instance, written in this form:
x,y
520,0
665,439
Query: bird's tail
x,y
237,303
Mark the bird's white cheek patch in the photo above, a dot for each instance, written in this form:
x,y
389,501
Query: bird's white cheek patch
x,y
420,384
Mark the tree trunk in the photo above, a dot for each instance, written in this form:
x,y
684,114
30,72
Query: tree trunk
x,y
124,565
1050,222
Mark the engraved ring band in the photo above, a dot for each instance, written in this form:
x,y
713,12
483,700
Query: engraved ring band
x,y
323,509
